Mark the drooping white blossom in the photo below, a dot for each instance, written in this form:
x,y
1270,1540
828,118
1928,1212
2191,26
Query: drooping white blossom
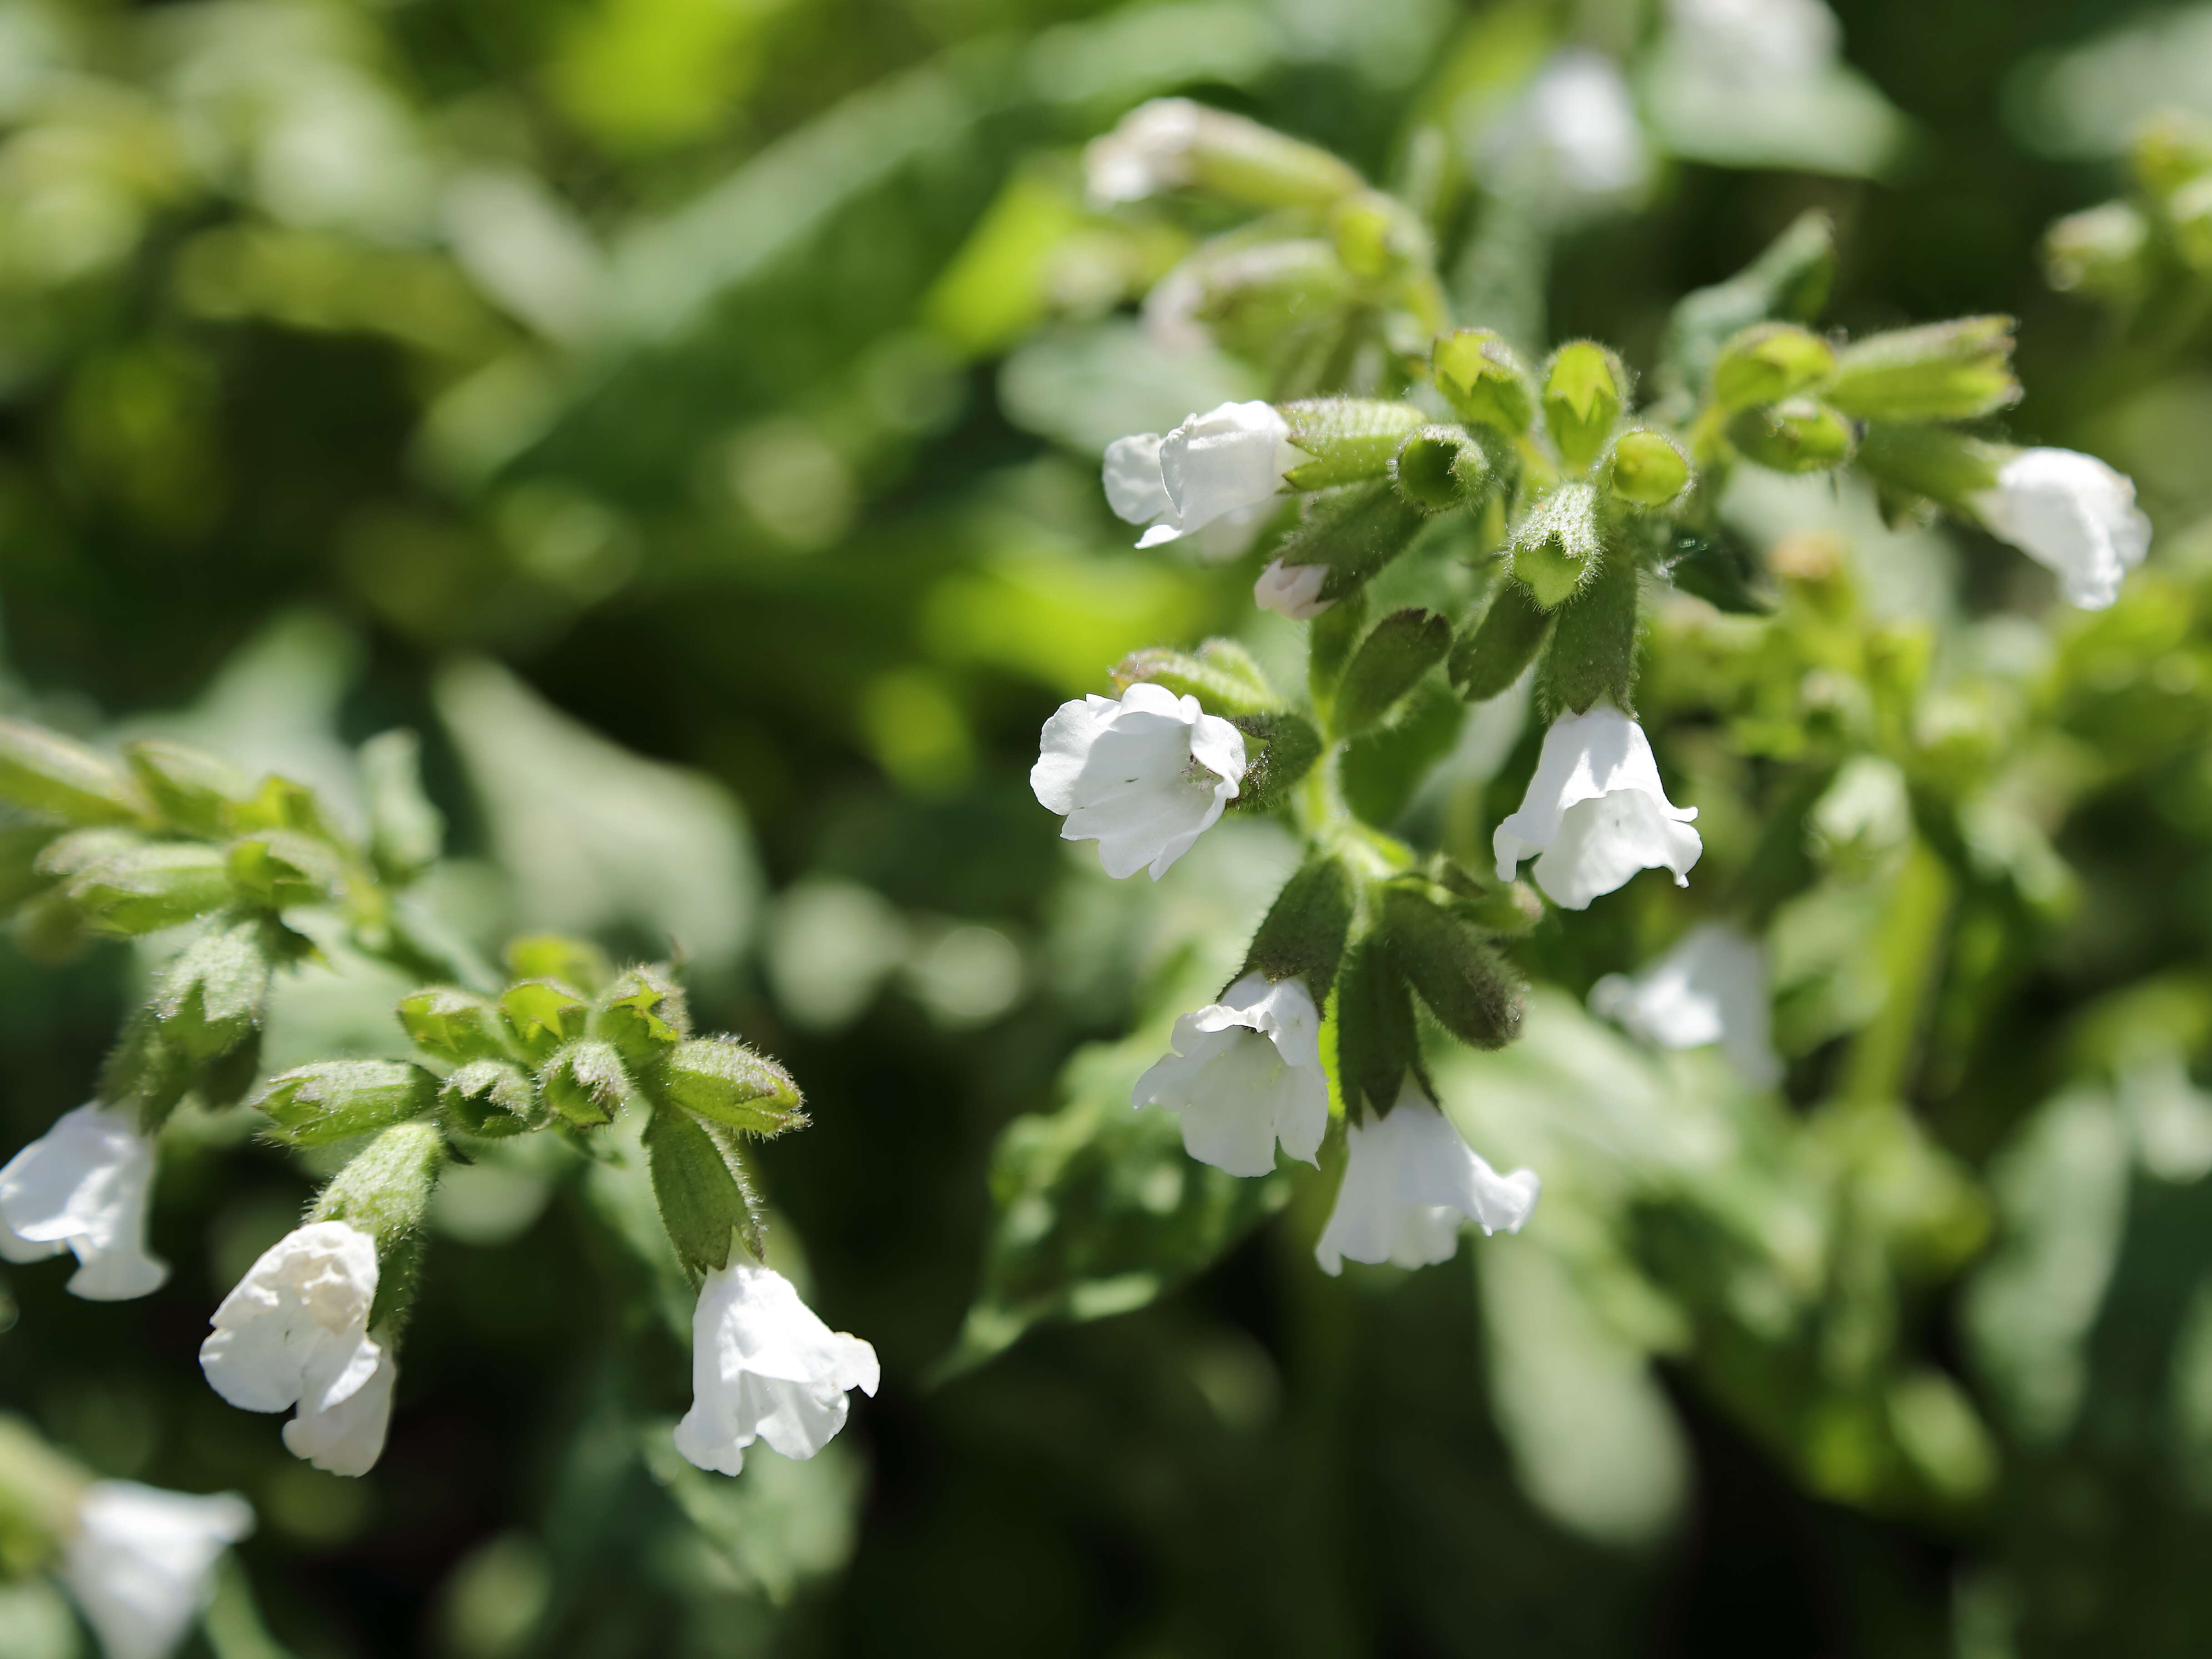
x,y
1710,988
2072,514
294,1331
1143,777
1595,813
1573,136
763,1366
1146,155
1754,44
1410,1184
1228,461
83,1186
139,1560
1292,590
1245,1072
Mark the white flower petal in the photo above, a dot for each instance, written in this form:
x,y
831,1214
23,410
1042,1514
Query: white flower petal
x,y
1410,1182
83,1186
139,1560
763,1366
1143,777
1595,813
302,1310
345,1436
1134,489
1147,153
1231,456
2072,514
1711,987
1292,590
1244,1074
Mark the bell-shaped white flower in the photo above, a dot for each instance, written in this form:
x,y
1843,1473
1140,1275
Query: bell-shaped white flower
x,y
294,1331
1573,135
1146,155
83,1187
1711,987
764,1367
1292,590
1753,44
1410,1184
1228,461
1143,777
139,1560
1595,813
2072,514
1245,1074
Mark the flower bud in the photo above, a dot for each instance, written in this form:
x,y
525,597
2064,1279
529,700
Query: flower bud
x,y
1172,143
1221,675
1281,750
1252,300
454,1025
1647,468
279,868
1769,361
278,803
1445,957
1557,544
405,832
1585,389
1438,468
1389,662
643,1014
1349,438
585,1082
1591,658
492,1099
1947,467
568,962
721,1079
1485,382
332,1099
211,998
154,886
1302,936
1797,436
543,1015
702,1187
1489,655
2169,151
1354,531
1377,1040
46,773
1955,371
2100,252
192,790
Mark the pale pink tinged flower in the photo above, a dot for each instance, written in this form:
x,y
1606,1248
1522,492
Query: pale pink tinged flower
x,y
1410,1184
83,1186
1244,1074
764,1367
1144,776
1595,813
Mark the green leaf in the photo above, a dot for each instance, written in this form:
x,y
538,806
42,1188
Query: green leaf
x,y
191,789
151,886
214,994
44,773
705,1198
1355,532
1788,282
1389,662
1489,655
1377,1040
1381,770
1303,933
1449,961
333,1099
1591,658
1220,674
1280,750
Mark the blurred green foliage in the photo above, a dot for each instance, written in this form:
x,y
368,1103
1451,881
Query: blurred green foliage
x,y
685,413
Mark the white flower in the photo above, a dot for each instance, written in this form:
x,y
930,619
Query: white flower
x,y
764,1367
1143,777
1597,812
139,1561
1753,44
1147,153
1246,1071
1574,133
295,1332
1711,987
1292,590
1409,1184
83,1185
1230,460
2073,513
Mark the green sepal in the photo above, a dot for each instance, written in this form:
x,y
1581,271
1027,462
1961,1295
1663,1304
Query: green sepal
x,y
1302,936
1800,435
44,773
1448,960
1591,658
1280,750
1586,387
1557,545
150,886
1489,655
191,789
405,832
454,1025
334,1099
278,868
1947,467
542,1014
384,1192
557,957
704,1194
491,1099
1220,674
1389,662
1955,371
278,803
227,1078
1647,468
720,1079
1438,468
1350,439
146,1072
1377,1040
213,993
1769,361
1355,532
1235,157
1484,380
643,1012
585,1082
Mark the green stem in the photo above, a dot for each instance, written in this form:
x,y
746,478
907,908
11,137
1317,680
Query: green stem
x,y
1881,1058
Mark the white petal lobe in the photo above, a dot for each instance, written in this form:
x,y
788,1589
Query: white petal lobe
x,y
1410,1184
1595,813
1144,776
1244,1074
764,1367
139,1561
83,1186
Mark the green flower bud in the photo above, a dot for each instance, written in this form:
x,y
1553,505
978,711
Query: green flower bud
x,y
1256,301
569,962
1585,389
543,1015
1349,438
384,1192
190,789
1955,371
1769,361
720,1079
1647,468
1945,467
1355,532
585,1082
1438,468
1446,959
333,1099
454,1025
1485,382
75,851
278,868
1557,544
643,1014
1389,662
2190,213
2170,150
492,1099
278,803
1377,1040
46,773
2102,253
702,1188
1221,675
1591,658
154,886
1303,935
1376,236
1797,436
1280,750
1490,654
405,832
212,997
